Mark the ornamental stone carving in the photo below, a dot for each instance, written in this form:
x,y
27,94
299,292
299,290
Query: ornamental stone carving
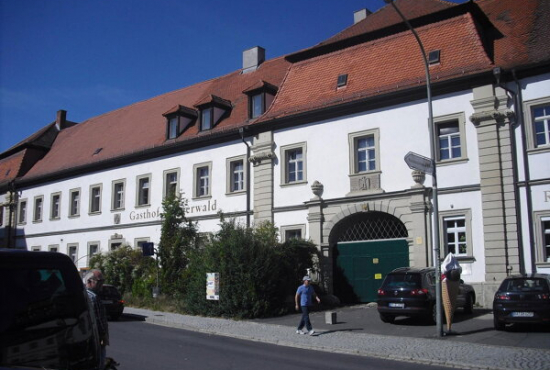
x,y
418,177
317,188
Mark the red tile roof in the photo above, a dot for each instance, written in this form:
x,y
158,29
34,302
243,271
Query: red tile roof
x,y
10,166
381,66
142,126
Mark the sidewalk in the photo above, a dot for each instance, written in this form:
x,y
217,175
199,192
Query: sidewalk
x,y
419,350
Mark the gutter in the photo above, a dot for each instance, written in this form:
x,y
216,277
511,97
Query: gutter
x,y
241,132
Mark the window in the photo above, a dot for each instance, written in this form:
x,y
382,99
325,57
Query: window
x,y
138,243
74,202
35,248
257,105
173,127
260,97
450,137
293,232
364,151
456,233
212,110
95,199
22,211
236,174
294,164
171,183
143,189
38,205
115,245
206,119
202,179
72,252
342,80
53,248
541,124
542,236
546,238
93,248
118,195
55,211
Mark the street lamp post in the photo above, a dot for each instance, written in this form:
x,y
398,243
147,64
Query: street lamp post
x,y
435,220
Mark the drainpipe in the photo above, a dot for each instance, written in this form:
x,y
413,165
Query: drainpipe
x,y
241,131
11,206
497,72
526,174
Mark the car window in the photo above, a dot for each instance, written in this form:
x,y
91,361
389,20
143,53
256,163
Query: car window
x,y
402,281
525,285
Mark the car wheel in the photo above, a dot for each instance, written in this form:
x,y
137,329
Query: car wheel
x,y
469,305
498,324
387,318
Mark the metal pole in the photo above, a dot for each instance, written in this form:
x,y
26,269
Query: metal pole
x,y
435,219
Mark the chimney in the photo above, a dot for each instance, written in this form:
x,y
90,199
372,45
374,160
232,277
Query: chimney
x,y
252,58
61,119
359,15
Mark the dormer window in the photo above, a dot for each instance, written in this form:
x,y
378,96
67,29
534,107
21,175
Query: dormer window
x,y
212,110
206,119
260,97
178,119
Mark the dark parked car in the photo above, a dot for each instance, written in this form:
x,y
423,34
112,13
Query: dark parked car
x,y
112,300
409,291
46,319
522,299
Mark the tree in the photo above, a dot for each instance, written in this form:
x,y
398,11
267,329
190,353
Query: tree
x,y
178,238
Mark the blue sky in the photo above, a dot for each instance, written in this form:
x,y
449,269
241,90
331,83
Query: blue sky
x,y
89,57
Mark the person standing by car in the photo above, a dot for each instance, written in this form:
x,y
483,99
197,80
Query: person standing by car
x,y
304,300
94,281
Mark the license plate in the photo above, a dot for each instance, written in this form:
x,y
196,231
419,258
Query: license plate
x,y
397,305
522,314
106,302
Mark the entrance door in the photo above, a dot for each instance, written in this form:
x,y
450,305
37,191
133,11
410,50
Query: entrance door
x,y
364,264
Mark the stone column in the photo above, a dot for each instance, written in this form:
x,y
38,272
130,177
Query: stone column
x,y
492,120
262,159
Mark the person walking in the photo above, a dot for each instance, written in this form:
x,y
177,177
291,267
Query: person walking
x,y
304,299
94,281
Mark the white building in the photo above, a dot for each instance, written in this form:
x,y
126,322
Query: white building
x,y
315,142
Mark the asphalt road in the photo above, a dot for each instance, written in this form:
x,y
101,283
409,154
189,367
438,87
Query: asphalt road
x,y
137,345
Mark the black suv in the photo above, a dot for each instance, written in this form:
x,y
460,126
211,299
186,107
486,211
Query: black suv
x,y
112,301
409,291
46,319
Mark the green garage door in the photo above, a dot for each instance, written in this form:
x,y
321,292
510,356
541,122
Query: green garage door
x,y
364,264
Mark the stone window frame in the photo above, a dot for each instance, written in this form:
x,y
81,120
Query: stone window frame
x,y
92,199
69,247
114,194
72,200
53,248
38,209
284,163
353,138
439,120
53,208
196,180
456,213
89,252
286,228
540,254
139,190
22,210
229,175
36,248
528,114
165,174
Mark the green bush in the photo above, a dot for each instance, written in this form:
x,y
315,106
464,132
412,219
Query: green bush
x,y
125,268
256,273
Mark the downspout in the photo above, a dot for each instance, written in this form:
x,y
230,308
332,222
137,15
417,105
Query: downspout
x,y
11,206
497,73
527,175
241,131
